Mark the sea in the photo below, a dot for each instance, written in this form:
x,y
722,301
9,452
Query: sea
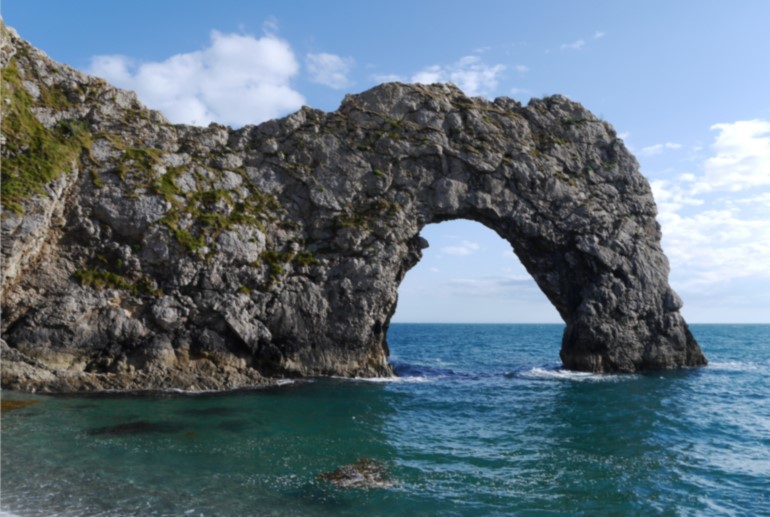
x,y
482,420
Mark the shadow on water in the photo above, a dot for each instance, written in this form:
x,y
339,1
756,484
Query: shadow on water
x,y
213,411
422,371
138,427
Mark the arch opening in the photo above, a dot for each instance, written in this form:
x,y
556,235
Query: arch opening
x,y
469,274
469,291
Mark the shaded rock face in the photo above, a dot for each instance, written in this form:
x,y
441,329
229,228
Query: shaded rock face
x,y
167,256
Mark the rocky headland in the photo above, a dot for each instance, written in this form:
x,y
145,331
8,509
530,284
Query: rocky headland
x,y
138,254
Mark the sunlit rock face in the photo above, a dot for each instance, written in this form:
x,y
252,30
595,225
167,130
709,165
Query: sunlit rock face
x,y
151,256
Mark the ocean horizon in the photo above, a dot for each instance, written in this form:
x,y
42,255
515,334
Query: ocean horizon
x,y
481,420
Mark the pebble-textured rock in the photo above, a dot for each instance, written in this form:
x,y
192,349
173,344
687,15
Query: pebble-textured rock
x,y
138,254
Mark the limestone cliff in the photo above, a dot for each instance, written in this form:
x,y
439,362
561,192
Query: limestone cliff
x,y
138,254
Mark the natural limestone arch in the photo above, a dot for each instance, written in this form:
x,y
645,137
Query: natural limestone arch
x,y
554,182
185,257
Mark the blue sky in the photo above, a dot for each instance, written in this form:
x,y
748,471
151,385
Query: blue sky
x,y
684,83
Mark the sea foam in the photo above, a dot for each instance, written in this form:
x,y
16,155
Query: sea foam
x,y
734,366
561,374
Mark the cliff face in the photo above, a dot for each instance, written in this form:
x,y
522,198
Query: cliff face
x,y
139,254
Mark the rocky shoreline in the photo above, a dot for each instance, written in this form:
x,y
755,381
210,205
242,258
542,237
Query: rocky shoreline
x,y
138,254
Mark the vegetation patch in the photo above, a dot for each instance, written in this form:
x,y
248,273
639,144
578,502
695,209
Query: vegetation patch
x,y
33,155
365,219
99,278
575,121
245,290
305,258
137,164
183,237
275,262
566,179
210,211
166,186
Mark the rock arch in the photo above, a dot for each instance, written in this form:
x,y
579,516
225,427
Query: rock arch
x,y
560,187
176,256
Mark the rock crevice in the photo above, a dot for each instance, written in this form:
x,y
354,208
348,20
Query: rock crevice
x,y
153,256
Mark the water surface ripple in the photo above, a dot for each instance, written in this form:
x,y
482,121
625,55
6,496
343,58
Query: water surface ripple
x,y
481,421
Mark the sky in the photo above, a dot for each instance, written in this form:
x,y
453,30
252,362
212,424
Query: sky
x,y
686,84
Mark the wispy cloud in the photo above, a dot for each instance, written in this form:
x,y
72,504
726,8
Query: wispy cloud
x,y
470,74
758,200
237,79
580,43
329,69
656,149
575,45
464,248
270,26
496,287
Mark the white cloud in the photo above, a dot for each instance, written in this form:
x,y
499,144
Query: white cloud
x,y
464,248
237,79
470,74
659,148
672,196
742,157
716,245
522,69
599,34
114,67
711,236
329,69
575,45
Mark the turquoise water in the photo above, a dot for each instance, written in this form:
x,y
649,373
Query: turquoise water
x,y
482,422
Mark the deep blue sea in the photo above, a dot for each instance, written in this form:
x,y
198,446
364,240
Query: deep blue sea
x,y
482,421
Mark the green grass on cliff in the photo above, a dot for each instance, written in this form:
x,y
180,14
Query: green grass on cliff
x,y
277,261
212,211
33,155
100,278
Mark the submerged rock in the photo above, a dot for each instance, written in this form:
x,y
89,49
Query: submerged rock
x,y
138,254
11,405
138,427
364,473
